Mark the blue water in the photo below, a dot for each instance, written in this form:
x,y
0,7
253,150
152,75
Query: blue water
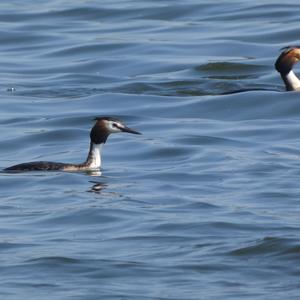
x,y
204,205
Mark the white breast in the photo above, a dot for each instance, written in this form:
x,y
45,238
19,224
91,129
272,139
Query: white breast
x,y
95,161
293,81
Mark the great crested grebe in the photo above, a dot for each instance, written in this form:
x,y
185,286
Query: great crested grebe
x,y
284,65
103,127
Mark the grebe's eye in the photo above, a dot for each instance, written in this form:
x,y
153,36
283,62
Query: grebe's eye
x,y
115,125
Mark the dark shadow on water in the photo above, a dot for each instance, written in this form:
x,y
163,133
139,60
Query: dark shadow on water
x,y
251,90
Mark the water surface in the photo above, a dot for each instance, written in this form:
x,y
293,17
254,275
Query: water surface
x,y
203,205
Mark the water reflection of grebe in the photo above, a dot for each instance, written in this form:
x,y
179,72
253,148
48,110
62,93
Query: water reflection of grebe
x,y
97,187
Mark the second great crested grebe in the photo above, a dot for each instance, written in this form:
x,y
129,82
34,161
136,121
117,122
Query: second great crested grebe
x,y
103,127
284,65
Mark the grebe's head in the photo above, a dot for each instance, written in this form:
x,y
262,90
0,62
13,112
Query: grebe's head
x,y
286,60
105,126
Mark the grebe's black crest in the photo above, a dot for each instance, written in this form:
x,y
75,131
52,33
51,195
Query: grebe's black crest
x,y
108,119
288,48
103,127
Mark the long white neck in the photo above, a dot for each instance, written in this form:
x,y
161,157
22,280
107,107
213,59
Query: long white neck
x,y
291,81
94,157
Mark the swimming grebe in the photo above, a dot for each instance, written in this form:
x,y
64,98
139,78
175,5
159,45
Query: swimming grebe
x,y
103,127
284,65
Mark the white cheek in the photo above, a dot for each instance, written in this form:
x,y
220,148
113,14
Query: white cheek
x,y
114,129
